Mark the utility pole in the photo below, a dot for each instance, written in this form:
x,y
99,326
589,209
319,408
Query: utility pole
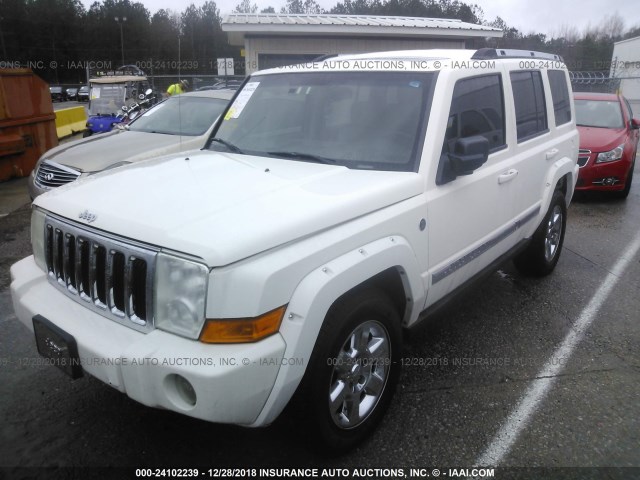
x,y
120,22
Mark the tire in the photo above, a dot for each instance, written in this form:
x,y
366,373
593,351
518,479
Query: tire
x,y
87,133
353,371
542,254
624,193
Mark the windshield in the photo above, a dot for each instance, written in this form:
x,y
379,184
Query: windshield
x,y
599,113
106,99
181,115
364,120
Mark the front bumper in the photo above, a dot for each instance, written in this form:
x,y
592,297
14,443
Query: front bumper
x,y
34,190
231,382
593,175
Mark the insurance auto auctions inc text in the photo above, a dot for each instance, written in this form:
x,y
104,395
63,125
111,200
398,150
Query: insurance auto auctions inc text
x,y
373,473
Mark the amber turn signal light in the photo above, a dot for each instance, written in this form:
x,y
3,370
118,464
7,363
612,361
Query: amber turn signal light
x,y
242,330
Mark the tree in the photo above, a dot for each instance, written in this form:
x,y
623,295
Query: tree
x,y
164,31
64,33
245,6
302,6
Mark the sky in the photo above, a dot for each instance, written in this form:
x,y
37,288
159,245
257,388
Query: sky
x,y
538,16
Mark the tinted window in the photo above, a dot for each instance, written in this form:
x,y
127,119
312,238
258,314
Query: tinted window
x,y
477,108
560,96
528,96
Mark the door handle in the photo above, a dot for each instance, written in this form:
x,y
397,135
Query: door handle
x,y
507,176
552,153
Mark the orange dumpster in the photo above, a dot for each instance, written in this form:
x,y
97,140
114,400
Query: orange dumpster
x,y
27,122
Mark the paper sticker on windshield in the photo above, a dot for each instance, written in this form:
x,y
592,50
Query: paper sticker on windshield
x,y
241,100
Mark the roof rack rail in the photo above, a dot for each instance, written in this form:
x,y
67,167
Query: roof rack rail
x,y
325,57
492,53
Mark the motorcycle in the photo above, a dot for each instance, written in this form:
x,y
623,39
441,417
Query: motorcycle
x,y
131,112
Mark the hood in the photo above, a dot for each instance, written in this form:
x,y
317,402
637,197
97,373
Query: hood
x,y
97,152
225,207
601,139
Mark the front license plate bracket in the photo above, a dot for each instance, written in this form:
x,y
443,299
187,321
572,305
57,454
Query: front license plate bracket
x,y
58,346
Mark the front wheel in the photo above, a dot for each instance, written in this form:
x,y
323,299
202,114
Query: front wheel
x,y
542,254
353,371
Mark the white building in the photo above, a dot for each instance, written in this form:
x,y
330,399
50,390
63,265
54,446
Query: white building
x,y
272,40
625,64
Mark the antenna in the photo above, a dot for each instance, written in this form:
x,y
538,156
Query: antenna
x,y
180,82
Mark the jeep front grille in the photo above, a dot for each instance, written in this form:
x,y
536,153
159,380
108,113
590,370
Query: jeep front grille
x,y
51,174
110,276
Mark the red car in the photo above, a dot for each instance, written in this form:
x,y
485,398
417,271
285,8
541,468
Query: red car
x,y
608,142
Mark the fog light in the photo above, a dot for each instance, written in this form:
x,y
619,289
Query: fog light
x,y
180,391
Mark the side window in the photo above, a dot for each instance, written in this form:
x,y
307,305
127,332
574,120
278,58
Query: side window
x,y
477,108
528,97
560,96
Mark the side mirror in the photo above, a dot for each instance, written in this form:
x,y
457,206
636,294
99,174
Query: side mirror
x,y
141,96
124,108
469,154
635,123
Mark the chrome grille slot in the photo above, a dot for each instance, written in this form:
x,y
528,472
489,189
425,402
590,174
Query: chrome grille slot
x,y
70,262
110,276
58,256
51,174
116,282
82,269
138,292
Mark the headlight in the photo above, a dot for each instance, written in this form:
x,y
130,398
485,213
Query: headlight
x,y
611,155
181,292
37,237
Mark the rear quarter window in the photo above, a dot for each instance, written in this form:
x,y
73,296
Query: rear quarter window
x,y
528,98
560,96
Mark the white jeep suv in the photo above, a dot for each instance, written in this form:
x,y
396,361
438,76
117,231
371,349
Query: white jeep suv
x,y
337,202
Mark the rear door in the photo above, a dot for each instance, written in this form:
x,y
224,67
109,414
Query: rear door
x,y
544,134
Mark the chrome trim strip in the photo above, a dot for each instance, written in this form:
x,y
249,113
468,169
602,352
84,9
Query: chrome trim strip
x,y
61,167
447,270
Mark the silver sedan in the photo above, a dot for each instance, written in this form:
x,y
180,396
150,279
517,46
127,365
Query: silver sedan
x,y
180,123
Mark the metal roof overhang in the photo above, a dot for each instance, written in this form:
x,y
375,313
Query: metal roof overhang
x,y
238,31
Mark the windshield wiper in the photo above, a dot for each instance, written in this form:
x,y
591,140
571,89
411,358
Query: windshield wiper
x,y
229,145
304,157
